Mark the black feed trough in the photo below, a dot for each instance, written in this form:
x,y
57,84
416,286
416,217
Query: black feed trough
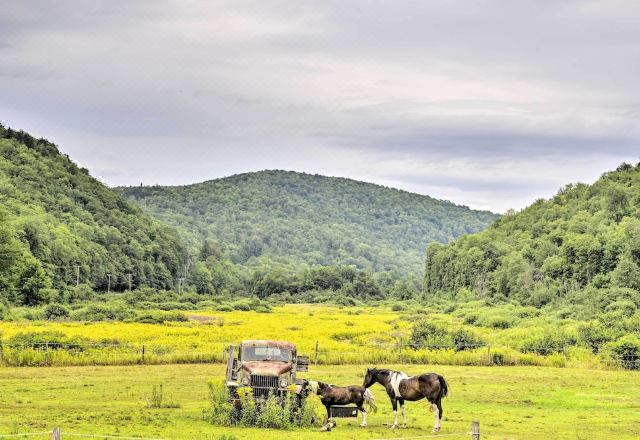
x,y
344,412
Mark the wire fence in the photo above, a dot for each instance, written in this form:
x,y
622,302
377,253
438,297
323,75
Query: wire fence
x,y
72,353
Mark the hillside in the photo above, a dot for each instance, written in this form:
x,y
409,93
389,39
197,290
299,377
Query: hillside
x,y
581,247
297,218
55,217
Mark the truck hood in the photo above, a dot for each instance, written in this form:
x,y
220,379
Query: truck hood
x,y
267,368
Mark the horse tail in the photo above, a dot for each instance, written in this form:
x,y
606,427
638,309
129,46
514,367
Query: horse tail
x,y
444,388
369,401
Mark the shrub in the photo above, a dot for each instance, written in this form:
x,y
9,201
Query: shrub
x,y
501,322
427,334
224,308
548,342
397,307
593,335
243,305
159,317
103,312
345,301
269,414
54,312
471,318
206,304
191,298
626,352
624,307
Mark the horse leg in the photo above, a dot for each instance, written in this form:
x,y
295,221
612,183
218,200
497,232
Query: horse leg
x,y
326,425
435,408
439,406
364,415
395,413
404,414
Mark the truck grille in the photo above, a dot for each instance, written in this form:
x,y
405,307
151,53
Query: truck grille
x,y
264,385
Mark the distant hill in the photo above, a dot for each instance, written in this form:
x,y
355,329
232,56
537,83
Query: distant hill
x,y
582,246
55,217
296,218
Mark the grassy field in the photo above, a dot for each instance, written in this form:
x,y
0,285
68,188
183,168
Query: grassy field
x,y
345,335
510,402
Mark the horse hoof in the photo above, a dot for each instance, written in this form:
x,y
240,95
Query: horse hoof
x,y
404,426
393,426
363,425
435,430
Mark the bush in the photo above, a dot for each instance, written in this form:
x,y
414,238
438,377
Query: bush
x,y
345,301
224,308
471,318
159,317
54,312
626,352
397,308
243,305
191,298
547,343
593,335
270,414
426,334
103,312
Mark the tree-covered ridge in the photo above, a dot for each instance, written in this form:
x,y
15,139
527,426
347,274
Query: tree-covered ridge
x,y
583,246
55,217
298,218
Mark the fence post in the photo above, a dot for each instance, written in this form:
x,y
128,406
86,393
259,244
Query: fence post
x,y
401,359
316,359
475,430
56,434
46,354
1,351
142,353
489,354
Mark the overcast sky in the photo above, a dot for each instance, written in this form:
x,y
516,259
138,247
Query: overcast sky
x,y
491,104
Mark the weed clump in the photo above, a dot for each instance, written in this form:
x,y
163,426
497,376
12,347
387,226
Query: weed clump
x,y
276,413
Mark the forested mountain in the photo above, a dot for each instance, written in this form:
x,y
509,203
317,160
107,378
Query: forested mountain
x,y
301,219
55,219
582,245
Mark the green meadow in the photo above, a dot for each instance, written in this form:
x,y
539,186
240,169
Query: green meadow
x,y
510,403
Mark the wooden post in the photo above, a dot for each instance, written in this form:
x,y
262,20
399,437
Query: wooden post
x,y
316,359
1,351
401,359
489,354
56,434
475,430
142,353
46,354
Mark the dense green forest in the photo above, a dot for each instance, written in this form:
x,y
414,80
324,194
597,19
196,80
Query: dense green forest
x,y
582,246
302,220
59,226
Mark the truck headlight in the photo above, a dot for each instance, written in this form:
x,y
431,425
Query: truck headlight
x,y
245,381
284,383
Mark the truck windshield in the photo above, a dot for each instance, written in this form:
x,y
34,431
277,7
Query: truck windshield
x,y
266,354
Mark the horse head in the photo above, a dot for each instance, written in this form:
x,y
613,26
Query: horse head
x,y
370,377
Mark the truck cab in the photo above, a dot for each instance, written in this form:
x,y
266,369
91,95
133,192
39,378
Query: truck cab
x,y
268,367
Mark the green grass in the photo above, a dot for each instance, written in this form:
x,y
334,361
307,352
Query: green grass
x,y
510,402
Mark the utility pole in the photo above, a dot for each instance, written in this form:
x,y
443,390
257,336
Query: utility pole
x,y
129,282
77,275
180,280
109,285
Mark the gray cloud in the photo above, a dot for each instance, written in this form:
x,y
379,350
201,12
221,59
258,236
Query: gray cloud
x,y
491,105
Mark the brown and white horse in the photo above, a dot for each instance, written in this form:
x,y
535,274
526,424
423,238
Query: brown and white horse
x,y
331,395
401,387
